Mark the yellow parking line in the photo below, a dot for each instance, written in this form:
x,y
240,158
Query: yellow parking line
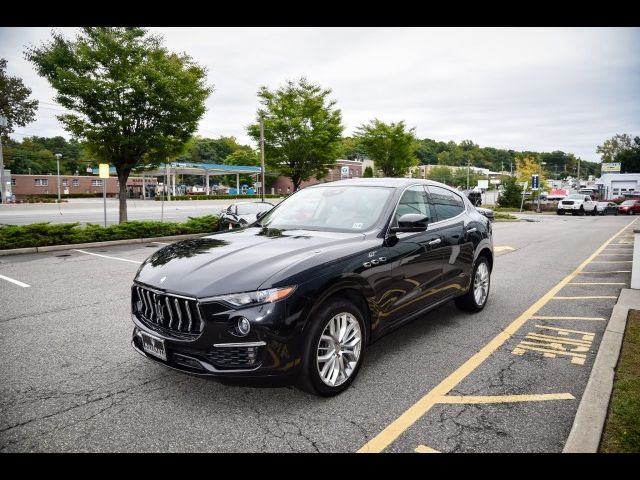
x,y
583,298
424,404
506,398
425,449
538,317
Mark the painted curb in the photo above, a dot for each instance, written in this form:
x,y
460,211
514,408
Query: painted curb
x,y
55,248
588,424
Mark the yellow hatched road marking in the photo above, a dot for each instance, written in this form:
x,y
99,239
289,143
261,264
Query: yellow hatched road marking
x,y
598,283
610,271
538,317
506,398
425,449
613,261
424,404
583,298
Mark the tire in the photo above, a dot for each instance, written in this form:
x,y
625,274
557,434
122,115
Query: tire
x,y
560,212
630,212
581,212
468,302
336,311
594,212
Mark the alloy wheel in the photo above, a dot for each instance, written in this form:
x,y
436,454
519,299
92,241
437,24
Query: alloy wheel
x,y
339,349
481,284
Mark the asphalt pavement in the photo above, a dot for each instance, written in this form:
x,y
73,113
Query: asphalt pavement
x,y
450,381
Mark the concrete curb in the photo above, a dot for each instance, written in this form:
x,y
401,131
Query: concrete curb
x,y
55,248
586,431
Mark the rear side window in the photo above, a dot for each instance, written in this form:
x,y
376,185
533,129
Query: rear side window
x,y
446,203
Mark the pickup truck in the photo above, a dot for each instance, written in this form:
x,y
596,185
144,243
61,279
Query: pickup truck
x,y
577,204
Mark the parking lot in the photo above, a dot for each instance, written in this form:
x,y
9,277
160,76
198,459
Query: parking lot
x,y
508,379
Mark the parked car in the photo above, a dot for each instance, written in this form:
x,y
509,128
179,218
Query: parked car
x,y
577,204
241,214
607,208
629,207
474,196
299,295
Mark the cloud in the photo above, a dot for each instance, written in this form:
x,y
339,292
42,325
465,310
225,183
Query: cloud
x,y
537,89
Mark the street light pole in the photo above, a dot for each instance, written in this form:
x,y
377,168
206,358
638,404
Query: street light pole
x,y
262,186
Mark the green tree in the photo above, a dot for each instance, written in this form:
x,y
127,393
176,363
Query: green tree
x,y
390,146
368,172
15,105
615,145
302,130
512,193
441,174
630,158
351,149
135,102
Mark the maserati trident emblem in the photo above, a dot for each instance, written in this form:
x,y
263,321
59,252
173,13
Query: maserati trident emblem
x,y
159,312
163,279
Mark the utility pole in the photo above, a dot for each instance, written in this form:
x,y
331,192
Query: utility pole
x,y
578,173
262,186
58,155
468,164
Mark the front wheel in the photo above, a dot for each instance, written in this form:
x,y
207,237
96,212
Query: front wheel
x,y
560,212
630,212
476,298
334,348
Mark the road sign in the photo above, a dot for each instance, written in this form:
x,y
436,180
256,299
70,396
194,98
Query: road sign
x,y
344,171
483,184
535,181
611,167
104,170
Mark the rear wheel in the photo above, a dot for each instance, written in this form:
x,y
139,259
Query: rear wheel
x,y
630,212
476,298
334,348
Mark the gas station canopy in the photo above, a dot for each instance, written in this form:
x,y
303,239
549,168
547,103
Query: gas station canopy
x,y
189,168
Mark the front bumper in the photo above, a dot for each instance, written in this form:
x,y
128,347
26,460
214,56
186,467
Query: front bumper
x,y
569,207
270,349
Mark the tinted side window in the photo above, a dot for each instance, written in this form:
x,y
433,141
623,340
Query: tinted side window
x,y
447,204
414,200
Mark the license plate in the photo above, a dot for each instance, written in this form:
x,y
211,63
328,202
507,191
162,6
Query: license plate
x,y
154,346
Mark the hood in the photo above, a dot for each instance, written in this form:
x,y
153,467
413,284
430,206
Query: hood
x,y
234,261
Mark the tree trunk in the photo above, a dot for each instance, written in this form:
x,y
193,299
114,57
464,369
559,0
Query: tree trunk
x,y
123,175
296,180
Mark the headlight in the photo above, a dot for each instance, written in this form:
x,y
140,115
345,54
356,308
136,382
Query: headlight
x,y
253,298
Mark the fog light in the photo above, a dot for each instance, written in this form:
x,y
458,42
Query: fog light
x,y
243,326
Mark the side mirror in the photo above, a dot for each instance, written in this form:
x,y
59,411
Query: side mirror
x,y
411,222
259,215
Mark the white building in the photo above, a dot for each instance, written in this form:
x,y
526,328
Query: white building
x,y
616,185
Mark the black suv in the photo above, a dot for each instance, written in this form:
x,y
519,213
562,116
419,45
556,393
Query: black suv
x,y
299,293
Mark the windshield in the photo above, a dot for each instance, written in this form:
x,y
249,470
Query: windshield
x,y
253,208
330,208
628,202
574,196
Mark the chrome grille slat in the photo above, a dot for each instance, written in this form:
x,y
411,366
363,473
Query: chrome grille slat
x,y
172,312
176,302
168,303
186,306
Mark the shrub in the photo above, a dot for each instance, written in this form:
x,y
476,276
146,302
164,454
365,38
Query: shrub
x,y
43,234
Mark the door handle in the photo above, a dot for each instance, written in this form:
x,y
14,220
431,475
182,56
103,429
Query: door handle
x,y
471,230
434,242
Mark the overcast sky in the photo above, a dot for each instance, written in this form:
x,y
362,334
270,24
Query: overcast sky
x,y
539,89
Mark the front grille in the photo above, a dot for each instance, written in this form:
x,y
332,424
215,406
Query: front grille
x,y
167,311
567,202
234,356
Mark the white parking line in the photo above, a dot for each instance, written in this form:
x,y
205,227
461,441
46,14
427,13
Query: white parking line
x,y
107,256
17,282
162,243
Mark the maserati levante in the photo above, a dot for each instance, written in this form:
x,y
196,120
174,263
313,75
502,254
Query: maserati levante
x,y
299,293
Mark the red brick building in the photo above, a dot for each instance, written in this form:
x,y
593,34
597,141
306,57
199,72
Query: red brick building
x,y
32,185
353,169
